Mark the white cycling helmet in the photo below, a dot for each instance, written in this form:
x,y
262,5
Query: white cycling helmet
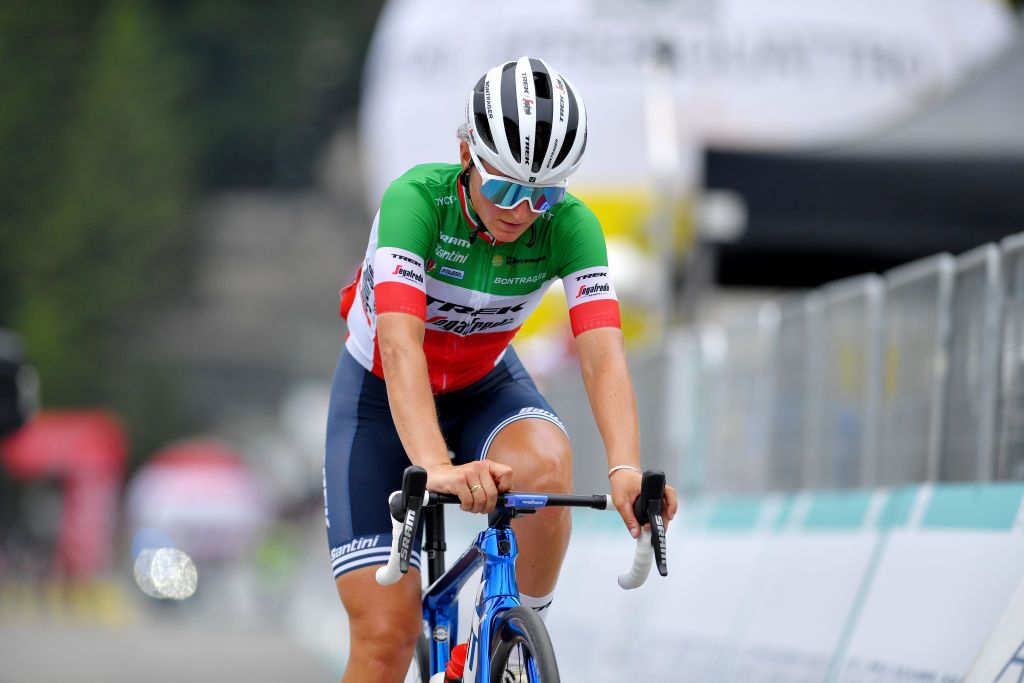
x,y
526,120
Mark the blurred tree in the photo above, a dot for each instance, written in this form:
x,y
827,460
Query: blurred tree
x,y
117,115
101,237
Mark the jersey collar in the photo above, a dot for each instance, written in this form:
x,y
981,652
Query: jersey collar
x,y
468,213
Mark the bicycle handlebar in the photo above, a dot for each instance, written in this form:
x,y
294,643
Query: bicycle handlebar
x,y
405,506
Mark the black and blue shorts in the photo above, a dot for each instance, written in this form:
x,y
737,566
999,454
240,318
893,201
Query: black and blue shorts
x,y
364,459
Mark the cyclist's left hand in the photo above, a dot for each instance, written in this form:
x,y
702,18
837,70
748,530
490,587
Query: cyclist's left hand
x,y
626,488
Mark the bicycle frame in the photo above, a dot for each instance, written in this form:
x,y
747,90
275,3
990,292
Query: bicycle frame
x,y
496,549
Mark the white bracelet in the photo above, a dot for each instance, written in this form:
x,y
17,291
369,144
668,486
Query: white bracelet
x,y
623,467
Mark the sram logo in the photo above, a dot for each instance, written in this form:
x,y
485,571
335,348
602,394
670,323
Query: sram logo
x,y
448,306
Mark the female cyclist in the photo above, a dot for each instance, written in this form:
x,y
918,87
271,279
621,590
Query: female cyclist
x,y
458,257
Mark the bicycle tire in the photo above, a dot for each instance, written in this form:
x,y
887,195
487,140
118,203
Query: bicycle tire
x,y
521,627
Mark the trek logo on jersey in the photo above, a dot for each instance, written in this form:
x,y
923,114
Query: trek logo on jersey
x,y
402,257
596,273
467,327
591,290
453,273
450,255
407,273
448,306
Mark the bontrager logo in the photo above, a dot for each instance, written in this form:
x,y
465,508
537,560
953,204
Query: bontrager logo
x,y
525,280
487,99
592,289
469,310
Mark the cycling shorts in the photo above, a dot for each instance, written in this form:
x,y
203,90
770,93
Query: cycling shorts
x,y
364,459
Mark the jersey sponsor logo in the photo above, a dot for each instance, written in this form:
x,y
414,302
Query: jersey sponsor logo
x,y
587,276
455,241
591,290
367,289
448,306
467,327
450,255
413,261
524,280
515,260
407,273
431,264
445,201
453,273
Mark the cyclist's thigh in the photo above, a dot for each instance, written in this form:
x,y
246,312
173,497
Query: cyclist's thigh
x,y
363,464
505,397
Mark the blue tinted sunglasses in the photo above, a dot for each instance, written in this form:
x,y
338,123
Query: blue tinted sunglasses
x,y
506,193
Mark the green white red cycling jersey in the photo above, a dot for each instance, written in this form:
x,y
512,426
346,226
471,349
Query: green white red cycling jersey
x,y
427,258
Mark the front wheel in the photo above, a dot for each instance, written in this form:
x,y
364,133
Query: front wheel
x,y
521,650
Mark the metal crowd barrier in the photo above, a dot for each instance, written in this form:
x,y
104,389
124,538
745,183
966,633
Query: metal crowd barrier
x,y
915,375
846,429
1010,412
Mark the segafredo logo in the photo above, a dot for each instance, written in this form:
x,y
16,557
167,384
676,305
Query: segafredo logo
x,y
591,290
408,274
467,327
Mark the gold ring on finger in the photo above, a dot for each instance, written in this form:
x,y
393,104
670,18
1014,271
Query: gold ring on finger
x,y
474,488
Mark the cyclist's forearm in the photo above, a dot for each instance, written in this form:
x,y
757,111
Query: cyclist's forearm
x,y
610,390
411,401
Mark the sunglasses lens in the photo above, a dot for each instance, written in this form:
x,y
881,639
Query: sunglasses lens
x,y
507,194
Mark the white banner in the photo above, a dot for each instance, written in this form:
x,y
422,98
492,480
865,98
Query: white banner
x,y
746,73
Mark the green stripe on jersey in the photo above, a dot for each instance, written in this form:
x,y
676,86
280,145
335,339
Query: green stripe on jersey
x,y
421,213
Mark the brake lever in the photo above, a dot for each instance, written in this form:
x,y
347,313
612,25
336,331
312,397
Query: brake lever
x,y
414,487
648,508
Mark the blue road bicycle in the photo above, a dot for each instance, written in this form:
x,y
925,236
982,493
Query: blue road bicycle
x,y
507,642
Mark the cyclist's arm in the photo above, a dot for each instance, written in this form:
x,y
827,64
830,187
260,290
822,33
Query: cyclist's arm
x,y
400,339
612,400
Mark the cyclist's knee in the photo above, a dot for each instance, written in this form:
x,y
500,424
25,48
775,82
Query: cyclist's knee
x,y
550,468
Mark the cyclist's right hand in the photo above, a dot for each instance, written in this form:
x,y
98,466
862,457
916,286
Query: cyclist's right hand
x,y
477,484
